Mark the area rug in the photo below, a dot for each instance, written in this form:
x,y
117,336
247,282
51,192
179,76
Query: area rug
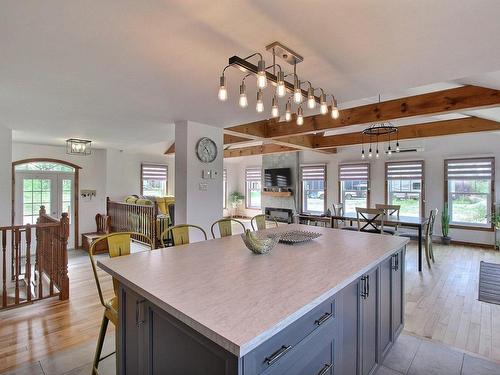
x,y
489,282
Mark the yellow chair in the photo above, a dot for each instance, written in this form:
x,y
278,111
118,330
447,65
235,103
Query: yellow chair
x,y
226,227
180,234
260,221
118,245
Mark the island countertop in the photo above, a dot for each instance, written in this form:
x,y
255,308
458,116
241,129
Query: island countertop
x,y
238,299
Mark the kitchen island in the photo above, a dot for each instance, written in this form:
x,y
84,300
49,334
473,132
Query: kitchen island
x,y
331,305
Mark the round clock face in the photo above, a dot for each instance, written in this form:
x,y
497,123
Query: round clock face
x,y
206,150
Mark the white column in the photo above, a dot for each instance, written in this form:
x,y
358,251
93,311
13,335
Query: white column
x,y
5,175
198,200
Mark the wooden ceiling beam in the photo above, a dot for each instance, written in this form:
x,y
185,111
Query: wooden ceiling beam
x,y
424,130
171,150
269,148
433,103
230,139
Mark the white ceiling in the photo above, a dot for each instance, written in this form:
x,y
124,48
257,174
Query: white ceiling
x,y
120,72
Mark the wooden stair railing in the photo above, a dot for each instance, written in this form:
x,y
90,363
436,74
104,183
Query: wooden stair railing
x,y
42,277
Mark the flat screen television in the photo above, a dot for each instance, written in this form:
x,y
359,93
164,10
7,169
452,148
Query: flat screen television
x,y
278,177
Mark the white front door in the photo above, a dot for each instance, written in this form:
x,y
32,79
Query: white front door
x,y
54,190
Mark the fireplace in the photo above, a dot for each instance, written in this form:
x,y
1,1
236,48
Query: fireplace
x,y
283,215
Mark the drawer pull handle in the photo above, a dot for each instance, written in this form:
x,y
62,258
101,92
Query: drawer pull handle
x,y
323,318
326,368
139,313
278,354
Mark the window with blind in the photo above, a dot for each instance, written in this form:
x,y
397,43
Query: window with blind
x,y
154,180
469,190
313,188
224,188
354,181
405,186
253,182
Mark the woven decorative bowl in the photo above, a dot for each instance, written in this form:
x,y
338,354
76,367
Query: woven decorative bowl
x,y
257,244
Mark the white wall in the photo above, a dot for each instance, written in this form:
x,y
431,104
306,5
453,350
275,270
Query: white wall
x,y
435,151
194,204
5,175
123,172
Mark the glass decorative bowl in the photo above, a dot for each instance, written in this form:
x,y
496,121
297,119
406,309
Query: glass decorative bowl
x,y
260,245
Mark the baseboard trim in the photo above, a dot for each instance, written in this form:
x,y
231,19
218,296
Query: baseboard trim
x,y
473,244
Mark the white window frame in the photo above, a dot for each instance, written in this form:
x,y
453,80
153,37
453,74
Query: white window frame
x,y
151,171
354,172
313,172
408,170
252,174
475,169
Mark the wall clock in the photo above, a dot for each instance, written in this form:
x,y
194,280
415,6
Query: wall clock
x,y
206,150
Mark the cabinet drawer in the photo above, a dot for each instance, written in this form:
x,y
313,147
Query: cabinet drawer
x,y
312,356
279,347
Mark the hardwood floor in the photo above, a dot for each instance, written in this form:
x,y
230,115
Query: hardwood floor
x,y
441,305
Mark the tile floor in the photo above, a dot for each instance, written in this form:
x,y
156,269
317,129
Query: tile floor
x,y
412,355
409,356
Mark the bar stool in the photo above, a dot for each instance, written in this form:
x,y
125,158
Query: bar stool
x,y
226,227
180,234
118,245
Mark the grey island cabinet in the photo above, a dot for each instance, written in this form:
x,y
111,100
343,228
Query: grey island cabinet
x,y
333,305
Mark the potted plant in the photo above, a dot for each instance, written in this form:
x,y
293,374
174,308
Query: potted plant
x,y
235,199
445,225
495,220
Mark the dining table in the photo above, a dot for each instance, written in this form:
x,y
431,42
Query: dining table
x,y
415,222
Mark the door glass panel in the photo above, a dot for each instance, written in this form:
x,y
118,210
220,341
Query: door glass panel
x,y
66,197
36,192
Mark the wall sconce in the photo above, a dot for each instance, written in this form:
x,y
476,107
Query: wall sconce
x,y
78,146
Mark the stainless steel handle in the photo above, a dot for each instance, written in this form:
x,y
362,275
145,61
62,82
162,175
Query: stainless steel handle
x,y
323,318
326,368
367,286
139,313
278,354
363,287
395,262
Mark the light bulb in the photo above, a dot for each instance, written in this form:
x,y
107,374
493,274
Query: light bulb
x,y
243,96
323,107
362,154
311,100
261,74
260,104
377,155
335,110
389,151
222,89
370,153
300,117
280,87
274,109
288,111
397,147
297,92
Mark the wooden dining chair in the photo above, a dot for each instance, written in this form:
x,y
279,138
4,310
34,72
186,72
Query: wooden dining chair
x,y
225,227
373,219
180,234
119,244
390,210
429,229
338,210
260,221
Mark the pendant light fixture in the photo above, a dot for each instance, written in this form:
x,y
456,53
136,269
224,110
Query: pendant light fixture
x,y
260,103
275,112
274,75
261,74
288,111
300,116
335,111
243,96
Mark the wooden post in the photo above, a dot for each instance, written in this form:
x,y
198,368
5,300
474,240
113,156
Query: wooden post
x,y
27,271
4,268
64,232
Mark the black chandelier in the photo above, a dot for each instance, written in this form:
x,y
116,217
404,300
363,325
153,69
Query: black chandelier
x,y
276,76
373,132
